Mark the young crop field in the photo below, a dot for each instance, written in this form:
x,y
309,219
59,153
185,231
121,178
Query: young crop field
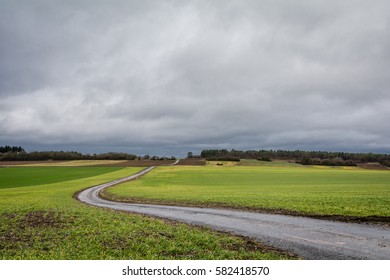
x,y
40,219
75,163
30,176
313,191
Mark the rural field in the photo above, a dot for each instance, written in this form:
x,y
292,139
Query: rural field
x,y
41,219
342,192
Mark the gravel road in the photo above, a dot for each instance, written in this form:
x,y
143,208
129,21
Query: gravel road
x,y
306,237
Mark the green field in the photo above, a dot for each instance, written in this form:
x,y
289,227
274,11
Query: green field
x,y
39,219
314,190
30,176
73,163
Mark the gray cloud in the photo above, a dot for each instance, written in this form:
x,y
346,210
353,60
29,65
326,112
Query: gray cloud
x,y
167,76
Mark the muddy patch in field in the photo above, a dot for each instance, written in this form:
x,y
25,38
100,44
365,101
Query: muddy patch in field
x,y
192,161
38,219
116,243
35,229
372,166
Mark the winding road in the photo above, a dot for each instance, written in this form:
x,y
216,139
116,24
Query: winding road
x,y
309,238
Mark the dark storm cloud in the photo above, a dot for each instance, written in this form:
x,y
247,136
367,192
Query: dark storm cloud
x,y
172,75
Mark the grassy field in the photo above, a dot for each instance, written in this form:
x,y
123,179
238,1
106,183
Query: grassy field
x,y
314,190
39,219
30,176
77,163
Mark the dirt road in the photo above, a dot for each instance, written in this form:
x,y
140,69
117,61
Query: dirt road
x,y
309,238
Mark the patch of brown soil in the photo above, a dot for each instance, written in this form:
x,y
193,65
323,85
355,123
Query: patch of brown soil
x,y
373,166
25,230
192,161
38,219
253,245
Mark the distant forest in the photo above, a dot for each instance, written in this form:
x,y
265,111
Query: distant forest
x,y
15,153
8,153
302,157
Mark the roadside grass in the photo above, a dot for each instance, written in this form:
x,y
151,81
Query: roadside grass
x,y
293,190
45,222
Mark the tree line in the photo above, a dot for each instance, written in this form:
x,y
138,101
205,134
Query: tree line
x,y
8,153
9,149
303,157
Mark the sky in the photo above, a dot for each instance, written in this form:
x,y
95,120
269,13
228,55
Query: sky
x,y
167,77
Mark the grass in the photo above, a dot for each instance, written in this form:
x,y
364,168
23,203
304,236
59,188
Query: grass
x,y
75,163
306,190
39,219
30,176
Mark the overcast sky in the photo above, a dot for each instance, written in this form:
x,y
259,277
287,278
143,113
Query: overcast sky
x,y
168,77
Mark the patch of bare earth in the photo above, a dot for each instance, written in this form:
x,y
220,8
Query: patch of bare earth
x,y
192,161
38,219
24,230
372,166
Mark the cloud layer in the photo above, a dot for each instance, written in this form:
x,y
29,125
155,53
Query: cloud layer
x,y
171,76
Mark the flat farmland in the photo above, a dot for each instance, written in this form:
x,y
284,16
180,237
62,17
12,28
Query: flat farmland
x,y
313,191
40,219
30,176
77,163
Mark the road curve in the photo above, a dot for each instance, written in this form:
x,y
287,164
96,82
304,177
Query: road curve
x,y
306,237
